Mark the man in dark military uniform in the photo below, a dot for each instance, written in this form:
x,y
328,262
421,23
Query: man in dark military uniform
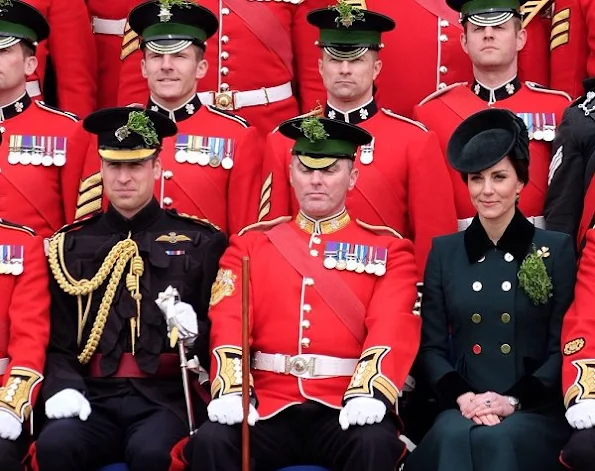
x,y
332,328
114,389
570,200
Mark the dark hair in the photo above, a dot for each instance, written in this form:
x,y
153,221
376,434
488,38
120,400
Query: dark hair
x,y
521,168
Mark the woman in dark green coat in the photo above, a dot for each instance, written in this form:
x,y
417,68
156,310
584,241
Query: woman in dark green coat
x,y
494,299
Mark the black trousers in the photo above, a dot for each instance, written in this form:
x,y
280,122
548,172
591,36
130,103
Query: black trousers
x,y
126,428
305,434
579,452
12,452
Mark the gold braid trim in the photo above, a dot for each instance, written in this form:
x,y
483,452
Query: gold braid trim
x,y
118,257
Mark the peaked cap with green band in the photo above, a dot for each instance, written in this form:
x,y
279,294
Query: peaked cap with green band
x,y
319,142
487,12
346,31
128,134
21,22
169,26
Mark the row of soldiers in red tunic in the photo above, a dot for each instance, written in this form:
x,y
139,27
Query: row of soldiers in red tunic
x,y
219,168
95,58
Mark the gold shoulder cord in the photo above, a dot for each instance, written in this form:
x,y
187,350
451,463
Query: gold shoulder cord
x,y
115,262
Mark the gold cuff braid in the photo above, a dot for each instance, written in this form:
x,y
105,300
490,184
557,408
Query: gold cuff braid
x,y
115,263
15,397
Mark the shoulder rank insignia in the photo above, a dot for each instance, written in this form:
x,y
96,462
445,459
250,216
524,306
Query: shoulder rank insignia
x,y
574,346
51,109
560,32
531,9
78,223
173,238
403,118
543,89
380,230
17,227
439,92
223,286
265,225
228,115
196,219
130,42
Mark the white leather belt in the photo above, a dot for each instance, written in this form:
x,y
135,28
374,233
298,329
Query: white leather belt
x,y
234,100
33,88
3,365
304,366
113,27
537,221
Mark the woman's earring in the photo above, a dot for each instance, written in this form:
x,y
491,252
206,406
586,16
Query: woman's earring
x,y
518,198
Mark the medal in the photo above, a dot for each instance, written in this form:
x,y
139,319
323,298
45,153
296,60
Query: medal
x,y
37,151
370,267
60,151
181,156
351,264
13,154
329,262
341,264
549,132
193,157
538,133
380,261
227,162
203,151
27,147
342,256
17,269
48,149
330,252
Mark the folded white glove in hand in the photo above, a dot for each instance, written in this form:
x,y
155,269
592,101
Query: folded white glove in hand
x,y
227,410
179,315
10,426
582,415
362,411
67,403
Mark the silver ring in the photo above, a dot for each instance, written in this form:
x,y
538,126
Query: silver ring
x,y
488,403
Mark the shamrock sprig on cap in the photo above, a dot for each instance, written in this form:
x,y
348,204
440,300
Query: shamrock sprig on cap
x,y
348,13
166,5
141,124
313,129
533,276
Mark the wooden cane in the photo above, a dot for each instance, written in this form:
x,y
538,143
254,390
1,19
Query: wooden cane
x,y
245,362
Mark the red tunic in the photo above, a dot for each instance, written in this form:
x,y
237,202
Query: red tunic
x,y
240,61
42,197
572,45
70,46
24,316
410,73
290,316
228,198
404,187
443,112
578,331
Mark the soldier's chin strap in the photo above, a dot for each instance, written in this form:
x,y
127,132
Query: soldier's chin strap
x,y
113,266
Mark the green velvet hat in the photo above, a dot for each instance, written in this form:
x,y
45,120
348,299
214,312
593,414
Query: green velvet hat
x,y
487,12
348,31
169,26
21,22
319,142
128,134
485,138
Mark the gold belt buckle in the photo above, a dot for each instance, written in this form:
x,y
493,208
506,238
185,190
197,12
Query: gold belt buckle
x,y
224,100
299,366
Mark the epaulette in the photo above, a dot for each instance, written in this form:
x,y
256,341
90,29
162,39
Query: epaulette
x,y
264,225
51,109
380,230
315,112
130,42
78,223
403,118
530,10
439,92
195,219
543,89
228,115
17,227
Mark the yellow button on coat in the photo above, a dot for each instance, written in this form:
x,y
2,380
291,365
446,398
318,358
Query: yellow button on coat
x,y
476,318
505,348
505,318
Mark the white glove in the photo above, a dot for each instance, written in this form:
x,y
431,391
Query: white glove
x,y
582,415
10,426
362,411
67,403
178,314
227,410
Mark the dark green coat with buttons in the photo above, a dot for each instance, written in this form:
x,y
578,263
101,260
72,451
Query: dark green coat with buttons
x,y
481,332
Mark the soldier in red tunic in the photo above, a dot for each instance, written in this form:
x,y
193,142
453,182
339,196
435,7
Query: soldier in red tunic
x,y
333,335
260,61
211,168
72,52
37,152
24,332
403,180
578,349
572,45
493,36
